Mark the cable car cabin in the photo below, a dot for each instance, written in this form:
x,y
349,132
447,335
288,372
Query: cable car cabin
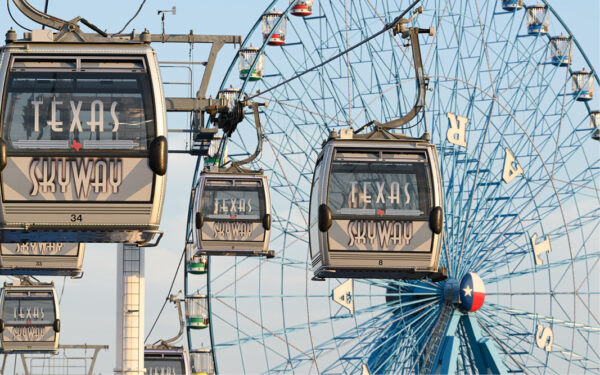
x,y
376,208
83,130
30,318
233,213
41,258
172,361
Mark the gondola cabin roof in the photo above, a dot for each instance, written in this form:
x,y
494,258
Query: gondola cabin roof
x,y
174,361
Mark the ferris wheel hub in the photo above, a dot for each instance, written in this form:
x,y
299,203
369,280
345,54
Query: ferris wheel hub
x,y
471,292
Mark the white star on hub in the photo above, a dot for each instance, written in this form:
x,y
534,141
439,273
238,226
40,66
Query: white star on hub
x,y
468,291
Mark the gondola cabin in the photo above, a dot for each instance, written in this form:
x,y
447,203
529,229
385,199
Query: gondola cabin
x,y
195,264
82,142
196,311
202,362
376,208
561,50
233,213
41,258
274,24
172,361
537,20
301,8
595,124
583,85
249,68
512,5
30,318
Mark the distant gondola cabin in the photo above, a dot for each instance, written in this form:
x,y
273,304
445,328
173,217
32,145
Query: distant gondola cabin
x,y
583,85
229,95
376,208
250,64
30,318
202,362
512,5
595,124
41,258
197,264
537,20
561,50
301,8
84,133
172,361
274,24
196,311
233,213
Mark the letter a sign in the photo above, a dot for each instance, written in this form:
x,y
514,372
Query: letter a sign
x,y
512,169
344,295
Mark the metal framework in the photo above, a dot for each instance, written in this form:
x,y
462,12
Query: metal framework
x,y
520,172
62,363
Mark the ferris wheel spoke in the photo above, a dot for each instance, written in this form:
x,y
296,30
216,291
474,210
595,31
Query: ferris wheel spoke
x,y
562,353
494,308
510,349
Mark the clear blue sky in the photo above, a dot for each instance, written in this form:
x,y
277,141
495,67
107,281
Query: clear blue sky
x,y
88,305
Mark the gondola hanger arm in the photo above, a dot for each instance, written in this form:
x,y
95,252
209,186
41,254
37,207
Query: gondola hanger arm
x,y
54,22
39,17
259,136
422,81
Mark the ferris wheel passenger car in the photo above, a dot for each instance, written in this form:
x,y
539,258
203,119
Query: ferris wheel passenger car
x,y
30,318
376,208
233,213
83,151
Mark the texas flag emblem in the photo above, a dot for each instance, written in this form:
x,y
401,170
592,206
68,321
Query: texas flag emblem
x,y
472,292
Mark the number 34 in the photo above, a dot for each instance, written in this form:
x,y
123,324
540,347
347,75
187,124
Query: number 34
x,y
76,217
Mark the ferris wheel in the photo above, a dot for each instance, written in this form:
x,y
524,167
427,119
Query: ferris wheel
x,y
515,123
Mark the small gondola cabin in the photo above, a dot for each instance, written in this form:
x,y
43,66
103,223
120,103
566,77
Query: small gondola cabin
x,y
233,213
82,140
376,208
30,318
41,258
173,361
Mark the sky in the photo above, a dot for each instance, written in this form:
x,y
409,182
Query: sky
x,y
88,304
